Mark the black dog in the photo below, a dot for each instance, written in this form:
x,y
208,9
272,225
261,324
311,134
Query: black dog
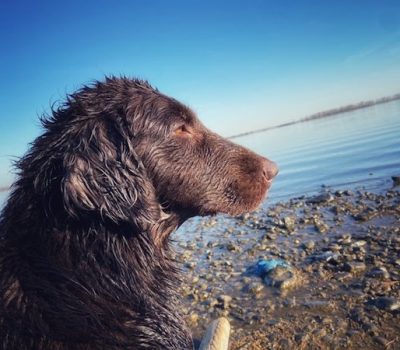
x,y
84,246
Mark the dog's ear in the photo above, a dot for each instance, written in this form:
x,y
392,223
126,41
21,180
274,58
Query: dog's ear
x,y
104,176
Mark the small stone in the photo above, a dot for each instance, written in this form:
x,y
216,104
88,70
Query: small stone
x,y
396,180
380,340
354,267
327,256
309,245
282,277
324,197
359,244
190,265
345,240
321,227
193,319
386,303
211,302
334,247
379,272
232,247
255,287
289,223
211,244
224,301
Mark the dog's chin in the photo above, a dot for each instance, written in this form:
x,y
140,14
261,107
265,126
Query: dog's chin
x,y
237,207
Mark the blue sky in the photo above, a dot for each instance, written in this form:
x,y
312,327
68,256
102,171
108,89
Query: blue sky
x,y
240,65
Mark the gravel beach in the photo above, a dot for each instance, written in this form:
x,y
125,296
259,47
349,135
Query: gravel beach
x,y
334,282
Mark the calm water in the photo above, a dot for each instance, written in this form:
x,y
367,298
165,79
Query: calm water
x,y
347,150
359,148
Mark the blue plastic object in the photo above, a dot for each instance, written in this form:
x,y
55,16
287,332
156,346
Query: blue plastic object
x,y
265,266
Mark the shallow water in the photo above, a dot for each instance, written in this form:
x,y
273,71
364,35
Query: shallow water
x,y
342,151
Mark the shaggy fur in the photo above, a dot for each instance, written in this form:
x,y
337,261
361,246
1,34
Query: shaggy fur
x,y
85,260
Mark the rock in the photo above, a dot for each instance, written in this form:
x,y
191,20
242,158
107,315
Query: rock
x,y
193,319
345,240
282,277
309,245
322,198
327,256
335,247
321,227
289,223
396,180
271,236
232,247
366,215
379,272
385,303
255,287
211,244
190,265
224,301
211,302
320,305
359,244
381,341
354,267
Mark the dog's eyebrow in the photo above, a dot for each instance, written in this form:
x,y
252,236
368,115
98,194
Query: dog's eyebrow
x,y
187,115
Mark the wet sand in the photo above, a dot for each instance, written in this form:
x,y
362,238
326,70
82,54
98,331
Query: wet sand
x,y
340,288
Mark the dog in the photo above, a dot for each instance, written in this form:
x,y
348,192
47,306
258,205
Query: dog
x,y
85,256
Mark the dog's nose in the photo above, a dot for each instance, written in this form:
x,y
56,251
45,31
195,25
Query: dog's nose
x,y
270,169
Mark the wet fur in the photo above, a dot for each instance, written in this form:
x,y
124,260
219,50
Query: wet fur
x,y
85,258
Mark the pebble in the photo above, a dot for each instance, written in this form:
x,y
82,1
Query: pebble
x,y
321,227
334,247
386,303
396,180
219,281
309,245
354,267
232,247
281,277
324,197
255,287
193,319
289,223
380,340
379,272
224,300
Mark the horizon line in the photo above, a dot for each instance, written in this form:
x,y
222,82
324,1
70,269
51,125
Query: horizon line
x,y
323,114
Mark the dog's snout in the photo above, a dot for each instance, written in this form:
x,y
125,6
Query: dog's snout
x,y
270,169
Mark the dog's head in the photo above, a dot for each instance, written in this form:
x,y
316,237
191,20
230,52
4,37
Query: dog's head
x,y
132,154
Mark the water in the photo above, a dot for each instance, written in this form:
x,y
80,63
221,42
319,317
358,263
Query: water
x,y
343,151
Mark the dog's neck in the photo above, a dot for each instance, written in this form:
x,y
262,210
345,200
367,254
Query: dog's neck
x,y
119,270
168,223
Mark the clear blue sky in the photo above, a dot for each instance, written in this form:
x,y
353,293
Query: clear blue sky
x,y
240,65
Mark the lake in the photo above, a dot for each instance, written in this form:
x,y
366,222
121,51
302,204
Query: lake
x,y
347,150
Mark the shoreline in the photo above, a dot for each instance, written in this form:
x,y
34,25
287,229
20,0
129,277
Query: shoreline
x,y
342,251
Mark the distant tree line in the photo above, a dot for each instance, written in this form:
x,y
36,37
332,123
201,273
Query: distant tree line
x,y
326,113
351,107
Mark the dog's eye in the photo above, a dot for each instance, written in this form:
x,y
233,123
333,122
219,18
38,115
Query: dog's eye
x,y
182,130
